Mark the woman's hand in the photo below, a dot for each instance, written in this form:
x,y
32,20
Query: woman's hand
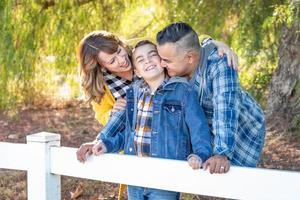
x,y
99,148
194,161
119,105
232,58
85,150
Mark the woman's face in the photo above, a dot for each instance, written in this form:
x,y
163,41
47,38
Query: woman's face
x,y
116,62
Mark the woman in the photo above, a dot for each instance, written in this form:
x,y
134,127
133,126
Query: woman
x,y
106,72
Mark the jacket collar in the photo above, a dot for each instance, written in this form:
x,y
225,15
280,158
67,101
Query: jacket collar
x,y
170,85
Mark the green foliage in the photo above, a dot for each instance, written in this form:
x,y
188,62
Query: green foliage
x,y
38,38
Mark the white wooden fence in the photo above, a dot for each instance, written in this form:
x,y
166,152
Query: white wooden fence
x,y
44,160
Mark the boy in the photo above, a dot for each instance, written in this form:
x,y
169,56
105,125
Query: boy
x,y
162,119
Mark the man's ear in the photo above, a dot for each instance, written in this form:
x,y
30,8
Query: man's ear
x,y
137,73
192,57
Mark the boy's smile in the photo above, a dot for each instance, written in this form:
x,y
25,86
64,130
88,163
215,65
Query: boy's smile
x,y
150,67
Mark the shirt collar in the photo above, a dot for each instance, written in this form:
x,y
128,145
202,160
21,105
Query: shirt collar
x,y
144,87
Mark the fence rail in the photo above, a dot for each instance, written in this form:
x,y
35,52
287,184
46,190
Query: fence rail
x,y
44,160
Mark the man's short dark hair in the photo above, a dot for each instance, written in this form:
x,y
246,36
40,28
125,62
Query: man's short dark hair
x,y
180,33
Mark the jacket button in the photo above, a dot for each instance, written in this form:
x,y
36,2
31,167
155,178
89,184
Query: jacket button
x,y
172,109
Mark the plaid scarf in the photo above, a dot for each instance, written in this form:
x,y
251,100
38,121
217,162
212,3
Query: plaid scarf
x,y
117,85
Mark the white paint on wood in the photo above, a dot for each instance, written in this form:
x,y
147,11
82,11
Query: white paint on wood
x,y
43,137
45,161
41,184
239,183
13,156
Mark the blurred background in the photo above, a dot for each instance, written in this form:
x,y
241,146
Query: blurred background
x,y
39,82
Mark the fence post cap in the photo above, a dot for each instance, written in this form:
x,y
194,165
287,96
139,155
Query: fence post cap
x,y
43,137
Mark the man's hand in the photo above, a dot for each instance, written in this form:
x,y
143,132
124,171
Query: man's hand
x,y
99,148
119,105
232,58
84,150
195,162
217,164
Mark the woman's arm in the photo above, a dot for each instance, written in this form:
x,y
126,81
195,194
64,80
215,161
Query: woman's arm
x,y
232,58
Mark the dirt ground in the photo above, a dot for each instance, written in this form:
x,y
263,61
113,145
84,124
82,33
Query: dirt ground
x,y
76,124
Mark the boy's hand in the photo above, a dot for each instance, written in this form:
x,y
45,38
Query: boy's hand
x,y
119,105
195,161
99,148
84,150
232,58
217,164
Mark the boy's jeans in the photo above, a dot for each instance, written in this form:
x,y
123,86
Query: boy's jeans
x,y
141,193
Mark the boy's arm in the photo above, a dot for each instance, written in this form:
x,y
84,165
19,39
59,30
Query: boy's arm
x,y
109,144
115,124
115,143
112,134
198,125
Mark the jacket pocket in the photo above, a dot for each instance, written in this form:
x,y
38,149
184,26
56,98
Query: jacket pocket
x,y
171,121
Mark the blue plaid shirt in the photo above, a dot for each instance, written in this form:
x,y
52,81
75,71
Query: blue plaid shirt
x,y
235,119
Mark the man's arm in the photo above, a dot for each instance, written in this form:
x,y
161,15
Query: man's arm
x,y
225,114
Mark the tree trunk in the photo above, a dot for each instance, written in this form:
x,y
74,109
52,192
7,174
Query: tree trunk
x,y
284,92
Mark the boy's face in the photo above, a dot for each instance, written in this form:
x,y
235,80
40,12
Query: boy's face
x,y
147,62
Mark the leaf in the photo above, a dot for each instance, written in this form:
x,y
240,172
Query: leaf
x,y
78,192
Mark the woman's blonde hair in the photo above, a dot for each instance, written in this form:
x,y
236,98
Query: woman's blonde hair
x,y
92,81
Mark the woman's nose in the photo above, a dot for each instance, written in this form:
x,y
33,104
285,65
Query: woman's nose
x,y
121,60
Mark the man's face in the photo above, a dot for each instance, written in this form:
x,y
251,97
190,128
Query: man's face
x,y
175,62
147,62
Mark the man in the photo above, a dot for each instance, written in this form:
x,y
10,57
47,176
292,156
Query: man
x,y
235,119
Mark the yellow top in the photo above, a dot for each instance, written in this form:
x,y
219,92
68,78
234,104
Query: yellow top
x,y
103,108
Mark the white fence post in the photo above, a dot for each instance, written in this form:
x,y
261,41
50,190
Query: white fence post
x,y
41,184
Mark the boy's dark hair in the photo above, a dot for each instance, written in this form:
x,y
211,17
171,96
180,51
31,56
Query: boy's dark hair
x,y
143,42
179,32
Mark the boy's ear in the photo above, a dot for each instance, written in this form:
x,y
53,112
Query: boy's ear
x,y
137,73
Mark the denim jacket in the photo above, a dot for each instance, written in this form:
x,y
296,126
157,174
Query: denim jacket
x,y
179,126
